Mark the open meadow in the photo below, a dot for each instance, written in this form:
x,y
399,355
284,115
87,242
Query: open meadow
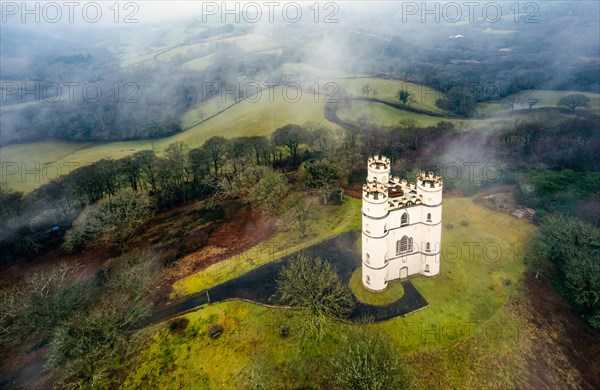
x,y
469,321
258,115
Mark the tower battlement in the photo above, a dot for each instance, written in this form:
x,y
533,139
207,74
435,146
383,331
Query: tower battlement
x,y
375,191
430,180
379,163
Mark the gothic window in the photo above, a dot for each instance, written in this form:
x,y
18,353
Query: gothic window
x,y
404,219
428,217
426,267
428,247
404,245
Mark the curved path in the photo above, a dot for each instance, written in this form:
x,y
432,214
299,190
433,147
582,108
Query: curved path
x,y
259,285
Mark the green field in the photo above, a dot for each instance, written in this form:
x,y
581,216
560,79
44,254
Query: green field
x,y
178,34
392,293
548,98
466,338
183,50
135,59
311,72
249,42
421,97
262,117
199,64
383,115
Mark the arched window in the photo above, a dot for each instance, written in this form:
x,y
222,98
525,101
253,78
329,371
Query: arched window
x,y
428,217
404,245
426,267
385,229
367,259
367,229
367,279
428,247
404,219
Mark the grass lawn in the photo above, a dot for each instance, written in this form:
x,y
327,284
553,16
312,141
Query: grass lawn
x,y
251,42
135,59
205,109
476,261
312,72
199,64
328,222
467,338
183,50
392,293
192,359
261,117
385,115
548,98
421,97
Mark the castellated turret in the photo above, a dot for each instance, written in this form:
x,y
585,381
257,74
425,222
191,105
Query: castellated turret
x,y
379,169
401,225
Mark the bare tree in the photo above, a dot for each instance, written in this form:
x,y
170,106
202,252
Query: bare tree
x,y
365,359
314,286
290,136
216,148
111,220
573,101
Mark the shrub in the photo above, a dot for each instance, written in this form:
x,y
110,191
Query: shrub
x,y
365,359
314,285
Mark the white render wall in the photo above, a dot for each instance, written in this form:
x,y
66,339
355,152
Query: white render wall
x,y
381,230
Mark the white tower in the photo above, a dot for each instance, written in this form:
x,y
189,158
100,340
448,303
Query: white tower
x,y
401,225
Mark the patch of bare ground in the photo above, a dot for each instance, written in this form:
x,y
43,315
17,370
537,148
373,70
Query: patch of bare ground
x,y
89,259
241,231
353,190
565,352
501,199
188,237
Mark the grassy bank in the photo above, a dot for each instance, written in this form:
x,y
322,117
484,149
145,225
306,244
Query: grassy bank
x,y
468,337
328,222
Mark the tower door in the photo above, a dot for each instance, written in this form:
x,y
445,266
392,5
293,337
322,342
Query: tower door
x,y
403,272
